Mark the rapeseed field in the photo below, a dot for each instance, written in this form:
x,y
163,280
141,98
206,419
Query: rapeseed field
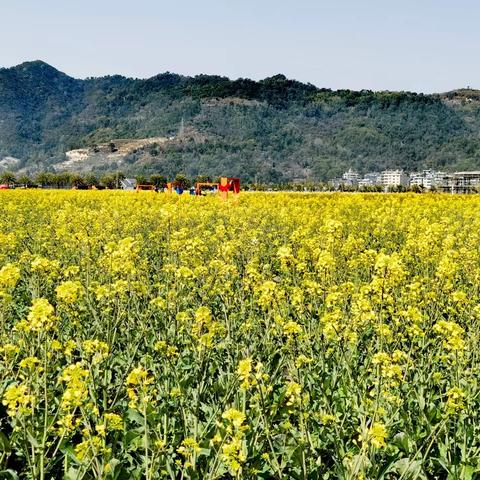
x,y
278,336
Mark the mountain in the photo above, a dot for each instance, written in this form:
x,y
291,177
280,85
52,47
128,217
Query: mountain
x,y
272,130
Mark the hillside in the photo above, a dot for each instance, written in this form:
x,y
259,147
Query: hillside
x,y
274,129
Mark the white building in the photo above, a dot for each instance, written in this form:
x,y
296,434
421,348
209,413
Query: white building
x,y
417,178
351,177
394,178
128,184
370,179
427,179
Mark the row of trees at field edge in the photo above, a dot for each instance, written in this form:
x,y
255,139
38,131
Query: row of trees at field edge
x,y
113,181
110,180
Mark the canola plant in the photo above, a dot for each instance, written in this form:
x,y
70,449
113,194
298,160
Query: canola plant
x,y
280,336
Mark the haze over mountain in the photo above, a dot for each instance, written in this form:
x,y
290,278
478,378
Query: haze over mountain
x,y
272,130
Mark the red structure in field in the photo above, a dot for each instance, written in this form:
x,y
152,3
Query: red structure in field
x,y
226,184
229,185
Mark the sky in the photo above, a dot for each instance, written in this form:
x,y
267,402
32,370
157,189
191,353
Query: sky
x,y
416,45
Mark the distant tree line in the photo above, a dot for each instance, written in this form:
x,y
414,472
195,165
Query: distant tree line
x,y
112,180
62,180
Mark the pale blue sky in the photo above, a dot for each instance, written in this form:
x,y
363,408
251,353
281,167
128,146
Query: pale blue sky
x,y
422,45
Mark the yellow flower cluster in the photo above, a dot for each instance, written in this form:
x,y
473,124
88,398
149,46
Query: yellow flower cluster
x,y
455,400
188,449
9,277
97,349
69,292
452,335
76,391
244,372
377,435
293,393
113,421
205,329
18,400
41,317
233,451
139,388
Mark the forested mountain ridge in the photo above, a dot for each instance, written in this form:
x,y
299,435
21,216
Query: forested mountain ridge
x,y
272,130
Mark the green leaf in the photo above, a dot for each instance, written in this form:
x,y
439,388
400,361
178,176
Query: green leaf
x,y
9,473
135,417
467,472
408,468
4,443
72,474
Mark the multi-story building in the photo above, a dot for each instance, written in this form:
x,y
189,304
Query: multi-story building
x,y
394,178
417,178
351,177
370,179
427,179
461,182
437,179
457,182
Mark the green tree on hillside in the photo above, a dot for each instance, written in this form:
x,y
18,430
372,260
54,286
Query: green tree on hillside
x,y
160,181
8,178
